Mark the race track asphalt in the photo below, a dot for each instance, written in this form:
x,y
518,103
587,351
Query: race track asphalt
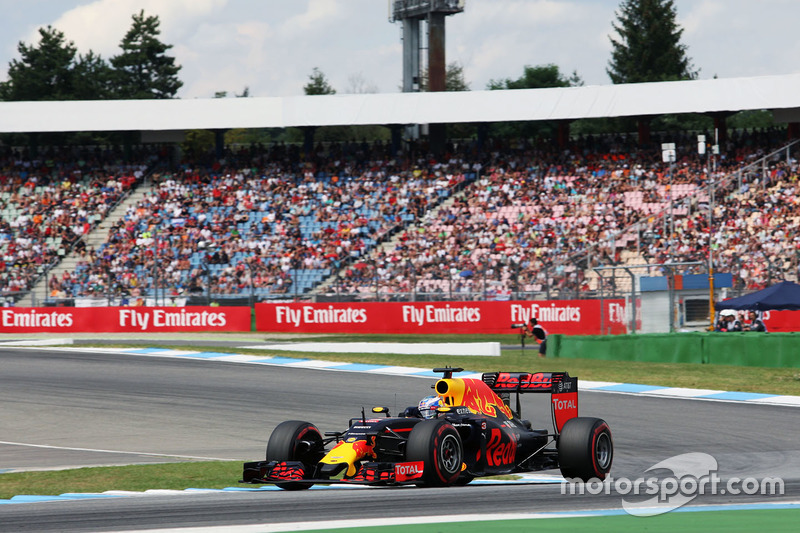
x,y
102,409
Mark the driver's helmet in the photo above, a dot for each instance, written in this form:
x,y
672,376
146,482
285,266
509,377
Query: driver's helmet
x,y
428,405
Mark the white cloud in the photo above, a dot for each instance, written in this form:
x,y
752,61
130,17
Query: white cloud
x,y
101,25
318,14
534,33
733,38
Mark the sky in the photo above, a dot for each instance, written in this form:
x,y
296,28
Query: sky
x,y
272,46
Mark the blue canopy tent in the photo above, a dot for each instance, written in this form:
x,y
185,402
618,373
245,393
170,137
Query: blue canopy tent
x,y
783,296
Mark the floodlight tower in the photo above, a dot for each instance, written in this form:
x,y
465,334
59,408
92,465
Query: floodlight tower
x,y
411,12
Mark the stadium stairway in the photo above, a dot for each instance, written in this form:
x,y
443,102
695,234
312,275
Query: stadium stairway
x,y
94,239
391,243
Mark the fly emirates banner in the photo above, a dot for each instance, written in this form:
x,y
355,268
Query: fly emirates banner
x,y
123,319
571,317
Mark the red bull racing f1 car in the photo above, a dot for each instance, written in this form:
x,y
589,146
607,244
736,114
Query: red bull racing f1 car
x,y
467,430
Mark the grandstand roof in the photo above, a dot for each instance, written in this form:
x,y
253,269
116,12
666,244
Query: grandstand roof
x,y
777,93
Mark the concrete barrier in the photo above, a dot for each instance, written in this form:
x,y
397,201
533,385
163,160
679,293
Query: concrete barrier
x,y
485,349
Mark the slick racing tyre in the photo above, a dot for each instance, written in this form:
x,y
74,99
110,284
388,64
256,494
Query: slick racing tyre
x,y
585,449
294,440
438,445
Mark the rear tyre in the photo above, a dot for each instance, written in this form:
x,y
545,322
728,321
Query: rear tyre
x,y
295,440
585,449
438,445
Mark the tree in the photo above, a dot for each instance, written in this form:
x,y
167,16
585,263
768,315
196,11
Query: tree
x,y
143,70
751,119
453,78
43,72
93,78
539,77
358,84
317,84
649,47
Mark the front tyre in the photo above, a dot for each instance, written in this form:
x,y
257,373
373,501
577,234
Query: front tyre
x,y
585,449
438,445
295,440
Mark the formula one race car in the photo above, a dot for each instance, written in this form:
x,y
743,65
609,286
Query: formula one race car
x,y
467,430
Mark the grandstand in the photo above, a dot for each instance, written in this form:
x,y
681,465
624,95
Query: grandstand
x,y
48,205
530,234
528,226
278,233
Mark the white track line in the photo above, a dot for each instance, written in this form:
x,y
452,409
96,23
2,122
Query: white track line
x,y
47,446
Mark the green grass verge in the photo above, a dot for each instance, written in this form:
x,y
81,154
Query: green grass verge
x,y
695,376
175,476
734,521
164,476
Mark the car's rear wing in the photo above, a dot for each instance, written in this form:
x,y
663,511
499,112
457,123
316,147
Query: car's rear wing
x,y
563,390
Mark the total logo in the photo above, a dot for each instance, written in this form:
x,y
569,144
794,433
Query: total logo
x,y
564,404
408,471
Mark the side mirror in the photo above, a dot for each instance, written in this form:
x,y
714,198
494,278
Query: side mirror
x,y
381,410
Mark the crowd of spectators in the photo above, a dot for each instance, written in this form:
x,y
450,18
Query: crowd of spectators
x,y
530,219
230,230
757,229
538,221
48,202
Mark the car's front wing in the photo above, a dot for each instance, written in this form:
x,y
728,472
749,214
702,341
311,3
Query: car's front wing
x,y
371,473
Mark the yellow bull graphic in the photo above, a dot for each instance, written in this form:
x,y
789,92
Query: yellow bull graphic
x,y
474,394
348,452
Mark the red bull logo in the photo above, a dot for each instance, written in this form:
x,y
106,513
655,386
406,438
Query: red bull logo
x,y
498,451
524,381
